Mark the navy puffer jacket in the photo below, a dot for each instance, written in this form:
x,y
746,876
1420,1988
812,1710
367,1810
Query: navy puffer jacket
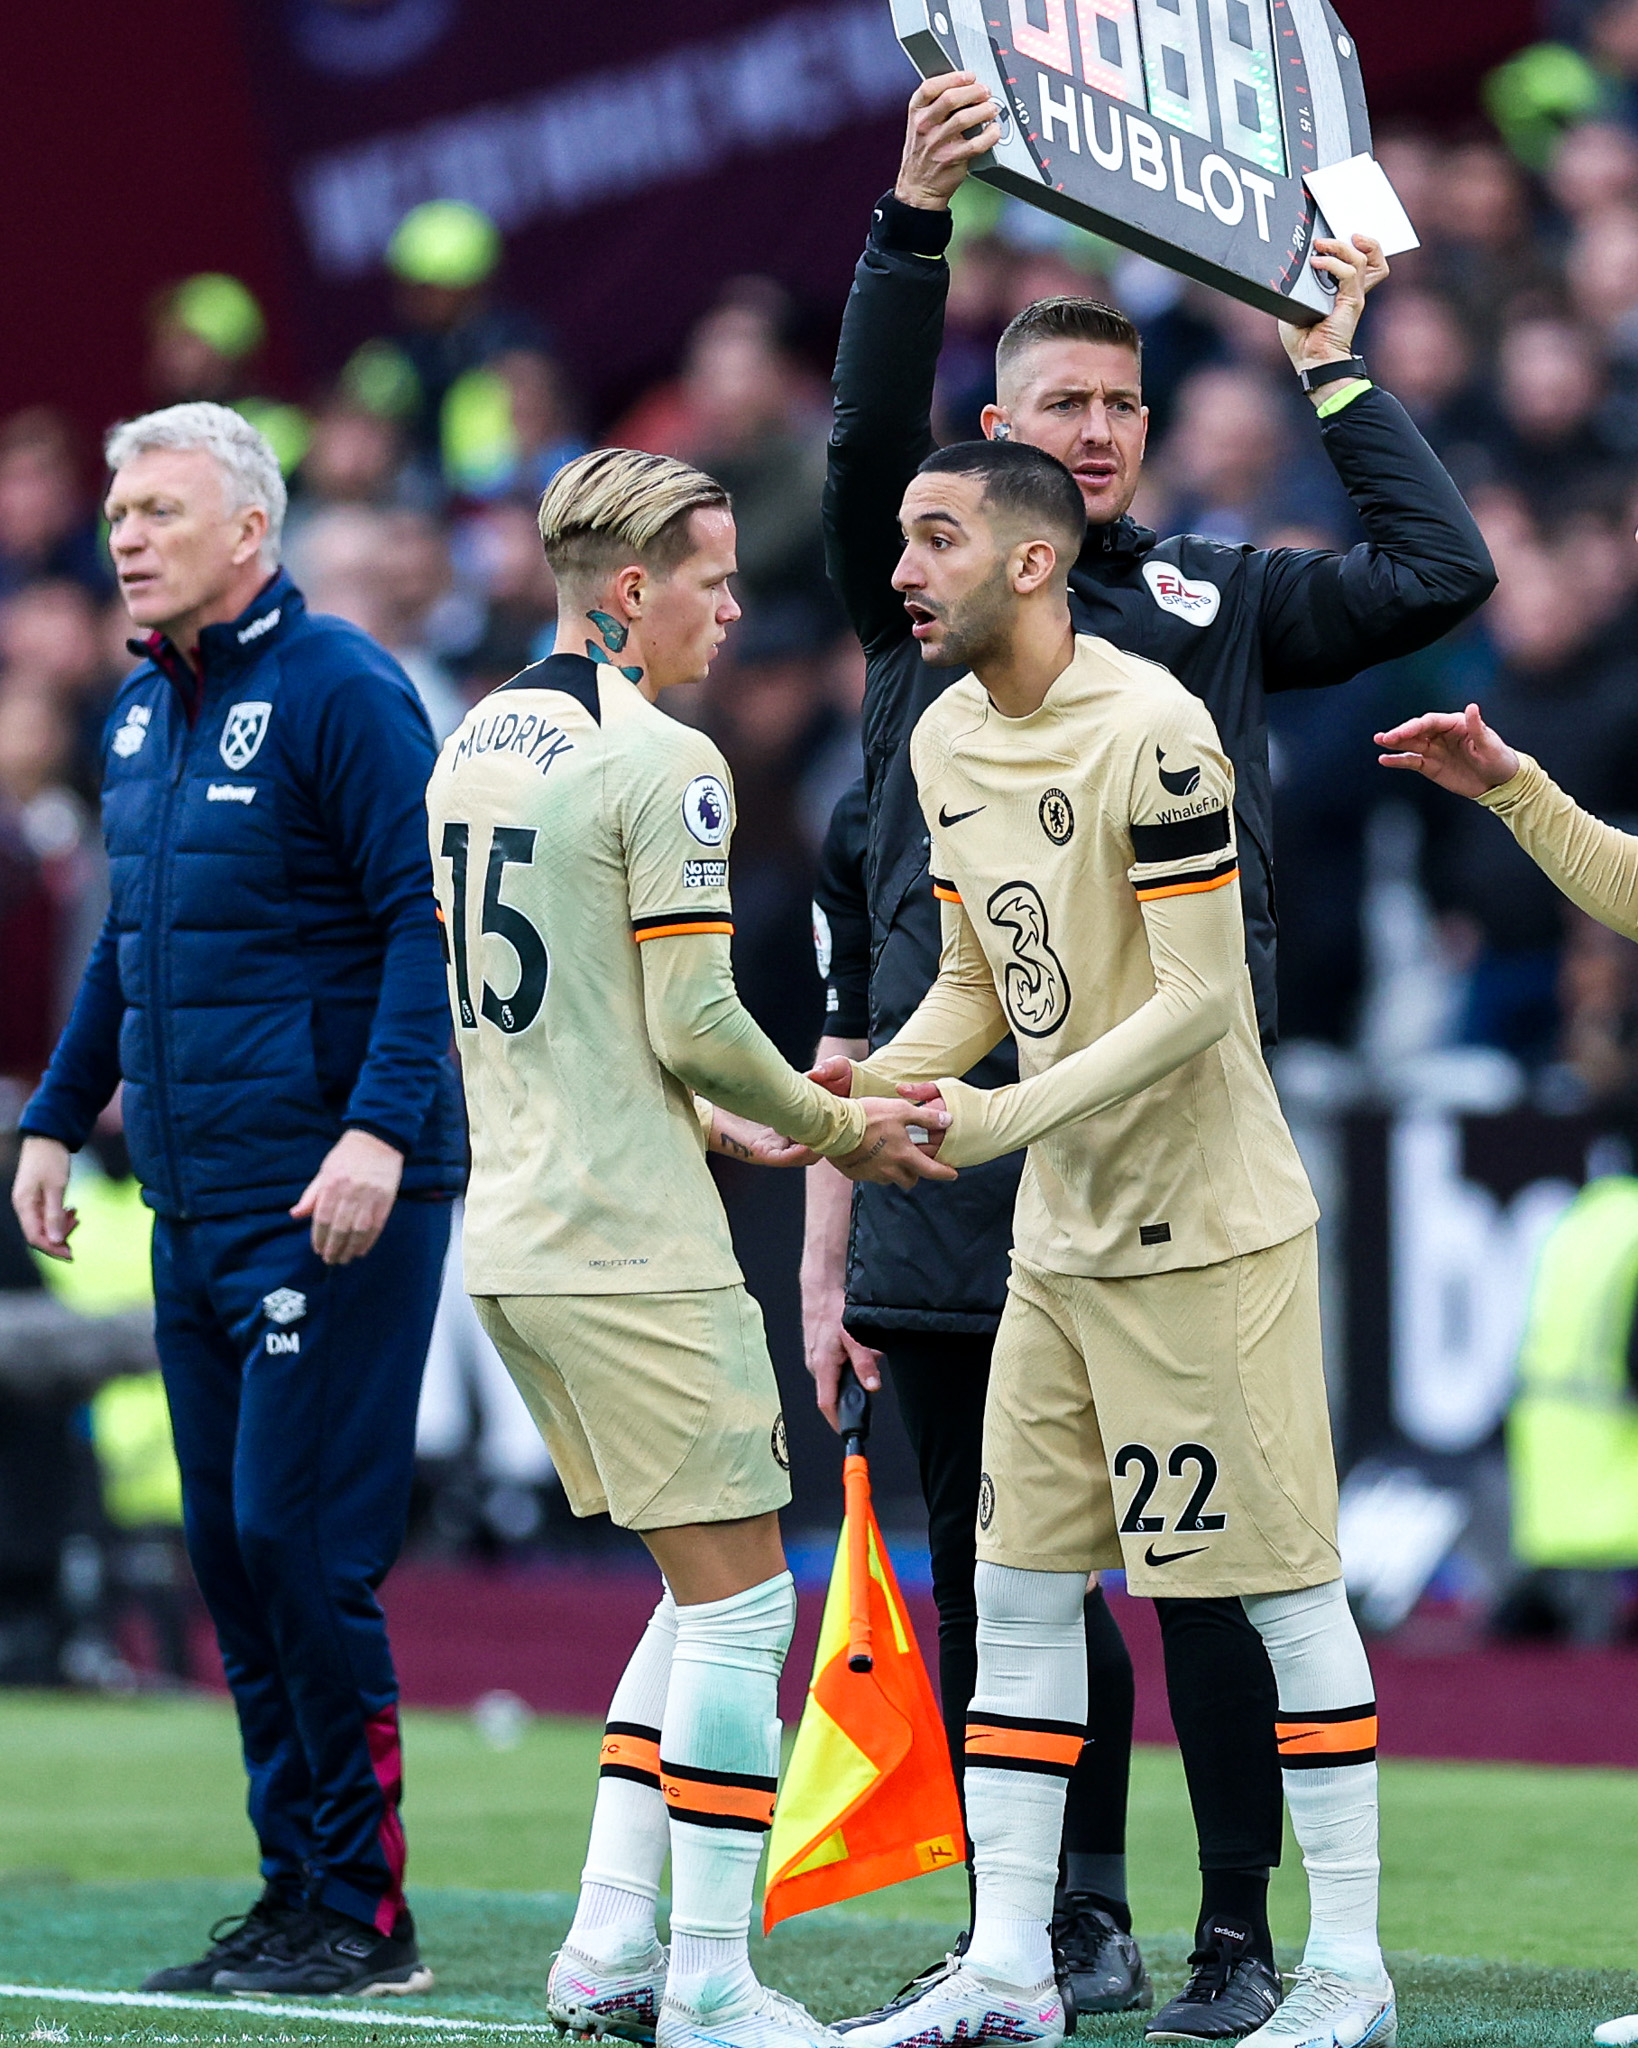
x,y
270,973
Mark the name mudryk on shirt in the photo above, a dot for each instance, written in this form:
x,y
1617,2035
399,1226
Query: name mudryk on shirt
x,y
526,733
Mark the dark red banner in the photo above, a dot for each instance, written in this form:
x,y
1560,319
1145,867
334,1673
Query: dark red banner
x,y
635,154
639,154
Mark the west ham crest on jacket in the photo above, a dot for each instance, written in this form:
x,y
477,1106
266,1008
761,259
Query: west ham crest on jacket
x,y
243,733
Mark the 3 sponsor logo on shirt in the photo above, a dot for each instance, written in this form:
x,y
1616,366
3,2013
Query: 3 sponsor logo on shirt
x,y
1034,987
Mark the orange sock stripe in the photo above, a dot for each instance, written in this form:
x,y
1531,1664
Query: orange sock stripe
x,y
629,1751
718,1799
1318,1740
1052,1747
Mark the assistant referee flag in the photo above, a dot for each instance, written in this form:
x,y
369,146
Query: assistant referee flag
x,y
869,1798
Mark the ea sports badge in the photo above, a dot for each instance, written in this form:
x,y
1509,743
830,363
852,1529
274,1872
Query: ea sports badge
x,y
1174,592
705,810
1183,129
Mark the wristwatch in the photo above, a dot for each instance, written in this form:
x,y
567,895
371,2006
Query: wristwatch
x,y
1332,373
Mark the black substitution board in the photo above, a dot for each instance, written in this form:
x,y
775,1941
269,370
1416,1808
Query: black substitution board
x,y
1179,128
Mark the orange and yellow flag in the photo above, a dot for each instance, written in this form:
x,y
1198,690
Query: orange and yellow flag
x,y
869,1798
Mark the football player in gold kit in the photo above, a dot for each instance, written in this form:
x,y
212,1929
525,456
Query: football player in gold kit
x,y
1157,1399
580,855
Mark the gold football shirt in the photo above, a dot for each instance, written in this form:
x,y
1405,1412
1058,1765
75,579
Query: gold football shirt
x,y
580,858
1084,857
1596,865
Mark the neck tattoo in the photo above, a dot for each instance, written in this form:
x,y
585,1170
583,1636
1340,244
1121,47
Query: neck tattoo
x,y
614,637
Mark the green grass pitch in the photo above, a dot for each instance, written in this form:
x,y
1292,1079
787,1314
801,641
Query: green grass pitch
x,y
1509,1893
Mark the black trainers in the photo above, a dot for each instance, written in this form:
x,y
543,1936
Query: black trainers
x,y
326,1953
233,1941
1230,1993
1097,1963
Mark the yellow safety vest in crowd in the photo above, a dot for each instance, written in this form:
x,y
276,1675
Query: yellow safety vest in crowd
x,y
1572,1434
130,1422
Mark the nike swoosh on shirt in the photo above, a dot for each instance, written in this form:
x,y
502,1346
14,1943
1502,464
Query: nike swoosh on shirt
x,y
1150,1556
955,817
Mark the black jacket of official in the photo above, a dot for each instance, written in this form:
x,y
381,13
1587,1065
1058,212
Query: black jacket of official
x,y
1231,623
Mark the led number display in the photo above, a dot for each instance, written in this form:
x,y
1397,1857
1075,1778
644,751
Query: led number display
x,y
1111,59
1174,70
1180,128
1248,102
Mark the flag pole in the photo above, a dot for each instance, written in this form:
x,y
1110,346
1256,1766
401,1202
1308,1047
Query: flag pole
x,y
853,1411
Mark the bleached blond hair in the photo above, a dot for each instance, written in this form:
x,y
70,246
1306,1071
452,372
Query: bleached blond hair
x,y
243,453
617,506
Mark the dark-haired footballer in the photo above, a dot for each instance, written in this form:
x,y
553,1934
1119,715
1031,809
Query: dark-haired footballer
x,y
1161,1334
922,1278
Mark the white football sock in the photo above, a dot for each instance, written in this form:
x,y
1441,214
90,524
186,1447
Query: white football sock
x,y
630,1834
1327,1734
1025,1728
720,1762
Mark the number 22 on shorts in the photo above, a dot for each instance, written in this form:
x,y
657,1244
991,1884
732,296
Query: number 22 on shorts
x,y
1194,1520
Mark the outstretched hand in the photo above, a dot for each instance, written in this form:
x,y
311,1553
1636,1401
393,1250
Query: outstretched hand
x,y
952,120
1455,749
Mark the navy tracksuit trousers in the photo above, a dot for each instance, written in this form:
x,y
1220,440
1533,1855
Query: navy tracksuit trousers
x,y
293,1388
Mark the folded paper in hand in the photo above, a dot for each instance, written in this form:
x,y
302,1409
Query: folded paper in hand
x,y
1357,199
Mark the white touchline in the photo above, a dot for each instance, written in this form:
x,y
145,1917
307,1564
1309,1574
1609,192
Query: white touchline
x,y
249,2008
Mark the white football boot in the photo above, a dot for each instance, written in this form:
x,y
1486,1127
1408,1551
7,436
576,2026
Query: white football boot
x,y
957,2005
589,1999
1325,2010
757,2018
1617,2033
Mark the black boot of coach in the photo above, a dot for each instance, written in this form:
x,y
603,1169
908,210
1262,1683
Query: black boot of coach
x,y
232,1943
1096,1961
1231,1991
327,1953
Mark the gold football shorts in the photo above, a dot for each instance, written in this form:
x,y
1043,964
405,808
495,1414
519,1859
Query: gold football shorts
x,y
1174,1424
660,1408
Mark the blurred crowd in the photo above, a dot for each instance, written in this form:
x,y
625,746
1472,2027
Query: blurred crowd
x,y
1511,334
